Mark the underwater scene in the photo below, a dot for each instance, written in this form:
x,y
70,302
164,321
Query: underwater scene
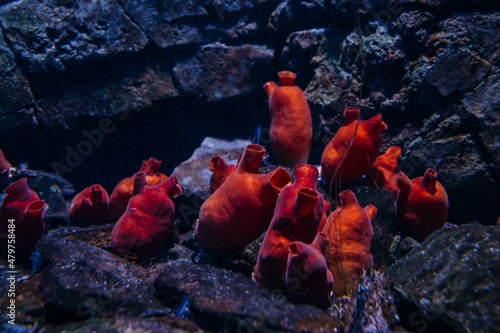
x,y
250,166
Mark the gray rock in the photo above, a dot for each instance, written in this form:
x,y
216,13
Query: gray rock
x,y
49,35
222,300
122,89
457,70
484,105
306,47
16,109
82,281
292,15
454,275
478,32
380,48
457,56
24,119
405,246
219,71
178,23
452,5
52,190
415,28
124,324
194,176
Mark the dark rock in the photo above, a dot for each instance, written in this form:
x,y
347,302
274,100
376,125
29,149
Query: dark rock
x,y
82,281
419,97
406,246
193,22
414,28
378,46
49,35
251,252
329,93
308,51
124,324
24,119
194,176
461,169
477,32
384,225
16,109
293,15
337,77
97,236
382,56
457,70
123,88
451,5
483,104
52,190
8,328
218,71
155,19
454,60
303,50
222,300
453,275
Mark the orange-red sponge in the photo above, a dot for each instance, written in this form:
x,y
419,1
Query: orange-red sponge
x,y
361,154
242,207
296,218
422,205
124,190
220,171
291,126
383,173
148,220
23,210
350,231
90,206
307,276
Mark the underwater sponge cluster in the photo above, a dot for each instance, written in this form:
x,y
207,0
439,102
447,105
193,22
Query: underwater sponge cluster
x,y
306,251
297,215
300,211
141,206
